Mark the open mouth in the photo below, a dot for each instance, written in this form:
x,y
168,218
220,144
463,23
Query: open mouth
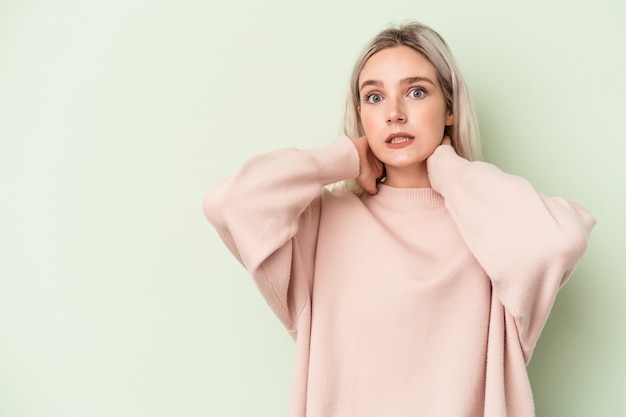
x,y
399,139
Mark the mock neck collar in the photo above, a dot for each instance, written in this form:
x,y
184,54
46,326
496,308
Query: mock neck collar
x,y
424,195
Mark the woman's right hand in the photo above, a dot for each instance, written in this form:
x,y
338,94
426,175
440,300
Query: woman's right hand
x,y
370,168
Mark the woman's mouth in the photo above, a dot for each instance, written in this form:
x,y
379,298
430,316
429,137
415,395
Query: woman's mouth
x,y
399,140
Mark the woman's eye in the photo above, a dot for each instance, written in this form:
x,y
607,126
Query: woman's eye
x,y
417,93
374,98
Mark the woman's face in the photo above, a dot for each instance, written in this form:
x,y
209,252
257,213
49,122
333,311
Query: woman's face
x,y
403,111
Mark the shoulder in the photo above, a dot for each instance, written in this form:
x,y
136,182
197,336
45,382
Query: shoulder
x,y
340,191
339,196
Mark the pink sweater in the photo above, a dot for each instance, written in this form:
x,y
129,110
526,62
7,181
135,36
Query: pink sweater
x,y
410,303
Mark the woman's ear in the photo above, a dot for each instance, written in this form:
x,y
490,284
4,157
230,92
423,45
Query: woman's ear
x,y
449,118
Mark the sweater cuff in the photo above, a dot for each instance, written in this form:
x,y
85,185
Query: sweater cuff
x,y
336,161
444,168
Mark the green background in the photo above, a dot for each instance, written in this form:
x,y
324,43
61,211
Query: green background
x,y
116,296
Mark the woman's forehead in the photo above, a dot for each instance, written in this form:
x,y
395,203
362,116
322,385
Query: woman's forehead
x,y
397,64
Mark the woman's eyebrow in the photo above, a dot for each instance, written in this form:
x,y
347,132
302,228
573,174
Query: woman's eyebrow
x,y
407,80
375,83
411,80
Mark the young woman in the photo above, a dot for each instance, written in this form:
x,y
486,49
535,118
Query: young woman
x,y
420,285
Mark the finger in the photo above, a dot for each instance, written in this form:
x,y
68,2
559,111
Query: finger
x,y
379,173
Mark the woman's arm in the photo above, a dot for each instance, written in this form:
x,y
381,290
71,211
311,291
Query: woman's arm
x,y
267,214
528,244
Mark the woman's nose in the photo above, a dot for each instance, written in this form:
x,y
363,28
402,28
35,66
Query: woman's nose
x,y
396,112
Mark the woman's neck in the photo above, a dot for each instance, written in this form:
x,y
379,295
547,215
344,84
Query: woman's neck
x,y
407,177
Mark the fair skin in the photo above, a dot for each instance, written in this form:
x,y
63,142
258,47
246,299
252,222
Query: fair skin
x,y
404,115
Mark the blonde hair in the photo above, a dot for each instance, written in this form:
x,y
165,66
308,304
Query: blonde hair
x,y
463,133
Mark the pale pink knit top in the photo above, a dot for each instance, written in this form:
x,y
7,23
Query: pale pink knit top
x,y
421,302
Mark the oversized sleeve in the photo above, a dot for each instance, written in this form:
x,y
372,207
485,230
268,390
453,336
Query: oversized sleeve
x,y
267,214
527,243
